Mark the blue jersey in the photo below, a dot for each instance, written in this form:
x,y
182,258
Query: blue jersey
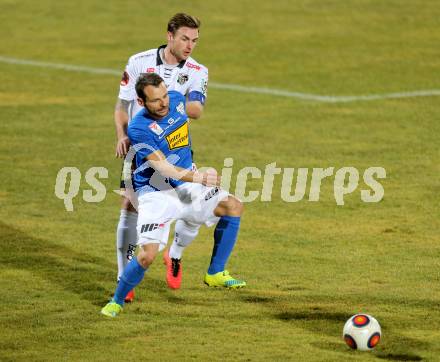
x,y
169,135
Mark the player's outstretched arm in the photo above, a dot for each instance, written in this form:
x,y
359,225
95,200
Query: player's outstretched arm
x,y
121,122
158,161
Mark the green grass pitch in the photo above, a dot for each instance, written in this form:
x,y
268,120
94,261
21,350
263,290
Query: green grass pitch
x,y
309,265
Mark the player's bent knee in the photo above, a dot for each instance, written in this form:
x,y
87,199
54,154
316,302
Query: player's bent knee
x,y
237,207
126,204
146,257
231,207
145,260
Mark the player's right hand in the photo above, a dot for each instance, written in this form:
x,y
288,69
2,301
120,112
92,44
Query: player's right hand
x,y
122,147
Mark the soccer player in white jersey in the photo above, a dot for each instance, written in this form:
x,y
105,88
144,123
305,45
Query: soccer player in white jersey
x,y
181,73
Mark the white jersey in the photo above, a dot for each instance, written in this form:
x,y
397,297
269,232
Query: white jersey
x,y
185,77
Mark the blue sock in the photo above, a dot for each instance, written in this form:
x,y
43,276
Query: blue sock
x,y
132,276
225,235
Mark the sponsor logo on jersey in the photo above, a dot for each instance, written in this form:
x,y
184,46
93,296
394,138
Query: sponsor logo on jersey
x,y
181,108
150,70
182,78
142,55
125,78
211,193
193,66
155,128
172,120
178,138
151,227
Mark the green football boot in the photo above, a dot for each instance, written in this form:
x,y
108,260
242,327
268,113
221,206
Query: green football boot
x,y
223,279
112,309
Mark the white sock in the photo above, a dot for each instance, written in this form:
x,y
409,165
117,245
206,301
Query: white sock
x,y
184,234
126,238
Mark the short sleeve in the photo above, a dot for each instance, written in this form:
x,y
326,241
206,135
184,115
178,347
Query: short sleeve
x,y
199,81
128,81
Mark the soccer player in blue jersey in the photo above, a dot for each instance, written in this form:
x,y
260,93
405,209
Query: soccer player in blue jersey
x,y
168,190
180,72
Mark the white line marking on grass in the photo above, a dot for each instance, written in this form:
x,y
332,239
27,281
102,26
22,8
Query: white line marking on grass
x,y
68,67
328,99
236,87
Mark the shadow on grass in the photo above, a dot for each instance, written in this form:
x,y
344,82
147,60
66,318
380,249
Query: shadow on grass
x,y
314,316
400,357
257,299
319,321
75,272
341,347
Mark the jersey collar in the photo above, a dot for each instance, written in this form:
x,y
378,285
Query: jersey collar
x,y
159,59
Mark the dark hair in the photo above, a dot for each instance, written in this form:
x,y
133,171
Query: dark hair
x,y
181,19
144,80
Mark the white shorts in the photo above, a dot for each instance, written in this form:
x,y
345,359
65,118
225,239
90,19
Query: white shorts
x,y
190,202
